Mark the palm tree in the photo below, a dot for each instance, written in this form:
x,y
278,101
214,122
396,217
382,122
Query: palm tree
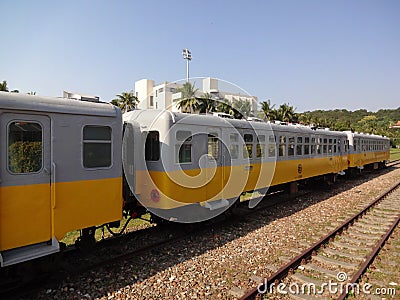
x,y
268,109
286,113
115,102
244,107
126,101
206,103
224,106
3,86
188,101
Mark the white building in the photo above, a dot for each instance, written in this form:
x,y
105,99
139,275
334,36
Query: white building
x,y
155,96
165,95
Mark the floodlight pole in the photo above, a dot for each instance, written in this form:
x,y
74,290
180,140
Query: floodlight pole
x,y
188,56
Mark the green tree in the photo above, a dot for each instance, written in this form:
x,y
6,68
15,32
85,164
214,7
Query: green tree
x,y
305,118
242,106
188,101
115,102
286,113
126,101
206,104
3,86
224,106
268,110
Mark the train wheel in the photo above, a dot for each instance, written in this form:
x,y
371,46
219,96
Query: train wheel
x,y
87,240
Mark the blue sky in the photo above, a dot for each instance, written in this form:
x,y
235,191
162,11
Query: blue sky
x,y
310,54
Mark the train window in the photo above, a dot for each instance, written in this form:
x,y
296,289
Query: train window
x,y
306,146
271,139
260,147
234,137
282,146
184,151
291,146
234,151
248,149
25,147
271,150
234,147
152,146
319,149
260,150
306,149
248,138
299,149
96,146
282,149
212,145
183,135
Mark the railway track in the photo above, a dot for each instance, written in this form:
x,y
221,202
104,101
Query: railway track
x,y
393,163
339,259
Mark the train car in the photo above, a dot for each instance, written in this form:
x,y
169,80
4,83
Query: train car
x,y
189,168
184,167
305,153
367,150
60,170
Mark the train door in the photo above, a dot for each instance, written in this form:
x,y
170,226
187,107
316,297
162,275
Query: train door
x,y
25,195
214,172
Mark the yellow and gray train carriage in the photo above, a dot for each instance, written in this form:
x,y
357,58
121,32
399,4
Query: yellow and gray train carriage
x,y
60,170
192,167
367,150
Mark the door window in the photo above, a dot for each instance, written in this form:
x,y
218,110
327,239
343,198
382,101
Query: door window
x,y
25,147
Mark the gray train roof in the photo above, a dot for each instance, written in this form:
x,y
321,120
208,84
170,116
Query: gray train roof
x,y
367,135
23,102
148,116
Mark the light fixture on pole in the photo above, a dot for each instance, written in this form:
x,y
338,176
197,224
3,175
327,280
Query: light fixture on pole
x,y
188,56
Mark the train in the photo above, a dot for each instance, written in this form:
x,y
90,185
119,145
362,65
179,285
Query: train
x,y
69,165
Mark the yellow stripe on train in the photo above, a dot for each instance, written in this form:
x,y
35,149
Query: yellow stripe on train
x,y
173,189
56,209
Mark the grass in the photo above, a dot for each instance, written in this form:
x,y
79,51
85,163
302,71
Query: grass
x,y
70,237
394,154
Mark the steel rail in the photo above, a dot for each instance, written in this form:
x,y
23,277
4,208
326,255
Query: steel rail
x,y
356,277
295,262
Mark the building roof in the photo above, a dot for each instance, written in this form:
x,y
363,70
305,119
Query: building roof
x,y
397,125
